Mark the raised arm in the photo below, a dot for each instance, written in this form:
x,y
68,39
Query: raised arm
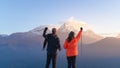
x,y
79,34
45,36
44,33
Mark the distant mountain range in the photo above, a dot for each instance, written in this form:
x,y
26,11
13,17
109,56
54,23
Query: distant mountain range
x,y
107,47
24,49
88,36
34,37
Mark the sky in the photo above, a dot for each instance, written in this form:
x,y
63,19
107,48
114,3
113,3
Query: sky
x,y
24,15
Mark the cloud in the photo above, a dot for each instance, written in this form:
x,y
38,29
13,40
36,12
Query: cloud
x,y
77,23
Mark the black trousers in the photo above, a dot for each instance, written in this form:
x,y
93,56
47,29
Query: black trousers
x,y
71,62
50,57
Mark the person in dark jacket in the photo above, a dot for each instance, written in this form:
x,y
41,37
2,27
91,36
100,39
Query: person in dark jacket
x,y
53,44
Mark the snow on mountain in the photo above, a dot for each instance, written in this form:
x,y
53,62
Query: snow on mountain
x,y
70,25
74,25
39,30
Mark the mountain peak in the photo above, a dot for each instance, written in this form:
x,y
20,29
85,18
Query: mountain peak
x,y
39,30
73,25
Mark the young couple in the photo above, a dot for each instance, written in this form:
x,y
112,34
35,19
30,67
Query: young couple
x,y
53,44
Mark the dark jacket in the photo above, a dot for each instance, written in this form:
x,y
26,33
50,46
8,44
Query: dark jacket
x,y
52,41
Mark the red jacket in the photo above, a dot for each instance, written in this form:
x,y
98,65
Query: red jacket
x,y
72,46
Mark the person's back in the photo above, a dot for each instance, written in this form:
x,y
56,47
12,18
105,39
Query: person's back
x,y
71,46
53,43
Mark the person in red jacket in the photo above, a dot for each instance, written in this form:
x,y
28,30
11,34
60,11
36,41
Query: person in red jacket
x,y
71,46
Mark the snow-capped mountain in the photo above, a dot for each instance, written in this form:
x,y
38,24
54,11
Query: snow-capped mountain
x,y
88,36
71,25
39,30
24,49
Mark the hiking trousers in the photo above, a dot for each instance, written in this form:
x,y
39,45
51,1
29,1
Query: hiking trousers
x,y
51,56
71,62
